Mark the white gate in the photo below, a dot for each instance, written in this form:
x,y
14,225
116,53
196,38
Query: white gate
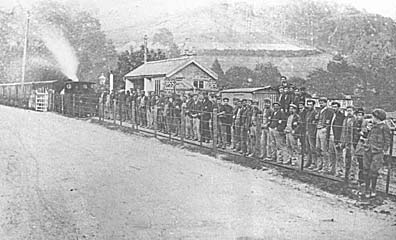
x,y
42,102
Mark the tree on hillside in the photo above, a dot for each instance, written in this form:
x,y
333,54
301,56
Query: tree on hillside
x,y
165,38
266,75
79,29
131,59
95,52
238,77
216,67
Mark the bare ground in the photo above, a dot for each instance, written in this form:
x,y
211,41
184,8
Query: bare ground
x,y
63,178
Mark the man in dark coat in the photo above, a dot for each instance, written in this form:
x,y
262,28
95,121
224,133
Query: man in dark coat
x,y
378,144
292,123
236,125
276,128
334,136
244,124
310,134
323,118
350,135
207,109
225,117
301,131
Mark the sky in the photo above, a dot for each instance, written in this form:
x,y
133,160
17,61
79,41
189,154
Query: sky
x,y
140,10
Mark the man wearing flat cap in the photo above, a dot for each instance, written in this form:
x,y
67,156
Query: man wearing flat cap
x,y
378,144
236,125
323,118
310,134
253,134
207,109
292,124
265,136
333,164
225,116
276,128
351,128
246,116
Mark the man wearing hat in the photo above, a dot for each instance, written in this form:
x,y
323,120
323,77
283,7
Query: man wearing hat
x,y
378,143
350,135
310,134
195,114
358,127
246,116
207,108
300,133
291,129
225,116
265,136
217,103
253,134
283,97
276,128
333,163
187,106
323,118
236,125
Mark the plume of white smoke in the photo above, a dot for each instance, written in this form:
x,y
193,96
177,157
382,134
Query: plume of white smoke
x,y
61,49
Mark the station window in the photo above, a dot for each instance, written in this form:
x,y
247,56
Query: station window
x,y
199,84
157,86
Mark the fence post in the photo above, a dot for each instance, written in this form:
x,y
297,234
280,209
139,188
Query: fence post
x,y
95,109
73,104
53,101
155,119
182,125
200,128
389,163
120,111
103,110
133,113
303,146
214,114
62,110
99,109
114,110
170,122
80,105
259,119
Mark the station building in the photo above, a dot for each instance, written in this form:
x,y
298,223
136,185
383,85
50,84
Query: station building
x,y
182,74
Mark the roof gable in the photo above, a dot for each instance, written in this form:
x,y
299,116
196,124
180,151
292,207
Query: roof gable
x,y
206,70
167,67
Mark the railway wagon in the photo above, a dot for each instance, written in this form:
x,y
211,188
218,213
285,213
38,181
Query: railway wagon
x,y
72,97
18,94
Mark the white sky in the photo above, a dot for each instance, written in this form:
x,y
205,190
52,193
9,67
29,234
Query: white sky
x,y
155,7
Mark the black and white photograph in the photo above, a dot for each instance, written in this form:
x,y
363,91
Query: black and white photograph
x,y
197,119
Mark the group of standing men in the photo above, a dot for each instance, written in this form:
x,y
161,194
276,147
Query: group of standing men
x,y
292,130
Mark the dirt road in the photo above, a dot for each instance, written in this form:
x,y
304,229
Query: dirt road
x,y
69,179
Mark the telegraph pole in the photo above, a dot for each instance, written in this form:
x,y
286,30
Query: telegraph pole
x,y
25,46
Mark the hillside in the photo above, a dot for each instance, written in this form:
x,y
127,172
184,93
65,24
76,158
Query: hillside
x,y
298,37
221,26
